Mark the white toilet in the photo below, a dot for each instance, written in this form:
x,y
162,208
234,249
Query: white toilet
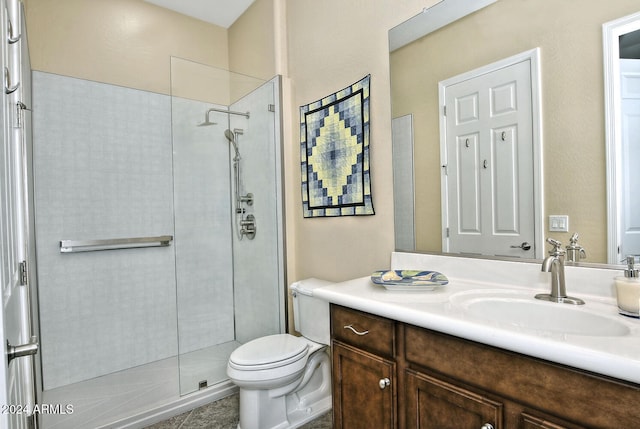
x,y
285,380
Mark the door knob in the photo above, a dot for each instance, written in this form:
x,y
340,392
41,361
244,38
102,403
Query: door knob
x,y
384,382
487,426
523,246
28,349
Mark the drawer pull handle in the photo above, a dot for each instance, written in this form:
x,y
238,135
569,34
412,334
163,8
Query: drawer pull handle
x,y
487,426
355,331
385,382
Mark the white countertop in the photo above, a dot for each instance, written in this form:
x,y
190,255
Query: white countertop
x,y
615,356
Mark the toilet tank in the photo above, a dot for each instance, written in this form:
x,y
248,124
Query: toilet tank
x,y
310,315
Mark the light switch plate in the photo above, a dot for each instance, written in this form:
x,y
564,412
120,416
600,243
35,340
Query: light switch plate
x,y
558,223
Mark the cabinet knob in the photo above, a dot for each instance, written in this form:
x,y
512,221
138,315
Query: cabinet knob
x,y
384,382
487,426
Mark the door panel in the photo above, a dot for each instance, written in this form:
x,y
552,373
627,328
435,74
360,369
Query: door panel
x,y
435,404
489,158
506,210
467,108
469,209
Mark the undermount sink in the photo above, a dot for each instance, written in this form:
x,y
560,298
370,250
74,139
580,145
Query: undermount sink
x,y
520,310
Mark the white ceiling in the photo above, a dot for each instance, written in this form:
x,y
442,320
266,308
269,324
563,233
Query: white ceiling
x,y
218,12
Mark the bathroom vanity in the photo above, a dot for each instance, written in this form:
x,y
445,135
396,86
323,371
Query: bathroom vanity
x,y
398,374
407,359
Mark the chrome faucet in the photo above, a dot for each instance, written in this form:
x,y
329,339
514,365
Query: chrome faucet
x,y
554,263
574,251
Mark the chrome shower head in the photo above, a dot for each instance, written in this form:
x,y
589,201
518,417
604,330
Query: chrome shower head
x,y
232,139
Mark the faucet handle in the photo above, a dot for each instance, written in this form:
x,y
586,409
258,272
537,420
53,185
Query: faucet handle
x,y
556,251
574,251
631,270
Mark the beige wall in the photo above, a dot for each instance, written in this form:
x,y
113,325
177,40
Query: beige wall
x,y
331,44
251,41
122,42
569,34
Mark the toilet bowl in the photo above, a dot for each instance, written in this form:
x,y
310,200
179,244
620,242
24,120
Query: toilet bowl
x,y
285,380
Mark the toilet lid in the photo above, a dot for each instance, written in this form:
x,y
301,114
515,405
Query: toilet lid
x,y
269,352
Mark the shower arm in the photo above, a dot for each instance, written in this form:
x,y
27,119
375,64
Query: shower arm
x,y
231,112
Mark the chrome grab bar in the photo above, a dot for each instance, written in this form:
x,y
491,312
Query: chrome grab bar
x,y
71,246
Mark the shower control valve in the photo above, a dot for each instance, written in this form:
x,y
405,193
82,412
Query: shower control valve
x,y
247,199
248,227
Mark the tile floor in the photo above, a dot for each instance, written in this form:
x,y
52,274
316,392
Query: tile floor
x,y
223,414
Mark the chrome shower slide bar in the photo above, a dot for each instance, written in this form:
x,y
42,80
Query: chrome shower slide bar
x,y
72,246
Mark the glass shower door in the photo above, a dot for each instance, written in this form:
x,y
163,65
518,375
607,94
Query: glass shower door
x,y
206,102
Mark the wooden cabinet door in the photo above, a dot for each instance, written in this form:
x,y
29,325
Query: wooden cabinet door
x,y
361,396
435,404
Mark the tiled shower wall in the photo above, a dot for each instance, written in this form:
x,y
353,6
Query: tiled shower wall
x,y
109,164
104,169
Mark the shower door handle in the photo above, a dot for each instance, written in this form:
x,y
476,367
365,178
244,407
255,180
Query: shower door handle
x,y
28,349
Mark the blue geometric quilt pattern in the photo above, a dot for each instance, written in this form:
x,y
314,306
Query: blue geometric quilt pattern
x,y
334,149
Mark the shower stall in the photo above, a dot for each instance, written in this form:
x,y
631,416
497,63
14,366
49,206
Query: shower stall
x,y
159,239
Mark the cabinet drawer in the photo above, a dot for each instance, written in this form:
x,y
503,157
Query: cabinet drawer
x,y
365,331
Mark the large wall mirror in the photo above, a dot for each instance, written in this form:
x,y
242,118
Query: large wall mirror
x,y
622,106
574,133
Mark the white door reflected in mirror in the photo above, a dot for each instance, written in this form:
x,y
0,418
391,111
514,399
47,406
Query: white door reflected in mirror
x,y
489,203
622,110
630,135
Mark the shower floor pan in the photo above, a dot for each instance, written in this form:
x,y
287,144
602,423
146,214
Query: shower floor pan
x,y
140,396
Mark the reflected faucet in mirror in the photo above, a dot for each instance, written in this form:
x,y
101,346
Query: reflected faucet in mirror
x,y
574,251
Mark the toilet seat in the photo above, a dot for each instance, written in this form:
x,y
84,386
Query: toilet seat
x,y
273,351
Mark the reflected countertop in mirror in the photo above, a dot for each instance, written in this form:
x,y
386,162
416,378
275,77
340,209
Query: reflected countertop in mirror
x,y
569,35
